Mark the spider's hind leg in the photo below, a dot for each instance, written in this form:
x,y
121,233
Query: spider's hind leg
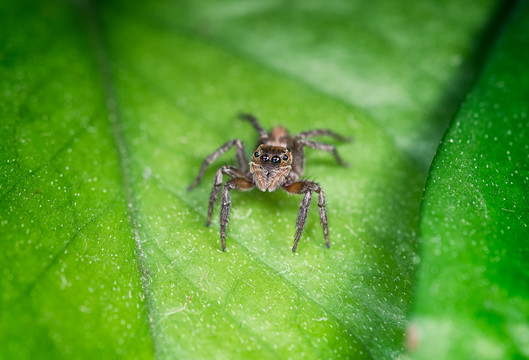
x,y
322,132
307,187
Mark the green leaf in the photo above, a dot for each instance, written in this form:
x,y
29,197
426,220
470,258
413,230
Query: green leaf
x,y
473,294
107,112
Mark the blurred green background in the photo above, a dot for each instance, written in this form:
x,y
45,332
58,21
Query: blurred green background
x,y
108,108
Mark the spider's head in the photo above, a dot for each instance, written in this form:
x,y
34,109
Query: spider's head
x,y
272,156
270,166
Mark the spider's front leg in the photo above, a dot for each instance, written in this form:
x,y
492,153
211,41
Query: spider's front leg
x,y
307,187
240,155
242,184
232,172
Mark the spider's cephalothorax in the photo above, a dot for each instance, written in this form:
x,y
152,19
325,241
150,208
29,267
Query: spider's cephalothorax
x,y
270,166
278,161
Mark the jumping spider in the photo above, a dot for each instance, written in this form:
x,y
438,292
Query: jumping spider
x,y
278,161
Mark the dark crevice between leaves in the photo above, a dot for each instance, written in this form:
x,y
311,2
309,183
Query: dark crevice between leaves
x,y
485,44
90,17
443,113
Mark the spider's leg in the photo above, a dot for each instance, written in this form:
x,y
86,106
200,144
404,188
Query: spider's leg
x,y
263,134
232,172
238,184
307,187
240,154
298,160
321,132
325,147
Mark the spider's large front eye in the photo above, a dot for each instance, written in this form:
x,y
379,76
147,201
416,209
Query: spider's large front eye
x,y
265,158
276,159
256,154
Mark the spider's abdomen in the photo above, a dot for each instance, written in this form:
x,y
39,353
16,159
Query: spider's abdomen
x,y
279,137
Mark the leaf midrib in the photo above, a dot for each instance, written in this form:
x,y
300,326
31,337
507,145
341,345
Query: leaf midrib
x,y
114,117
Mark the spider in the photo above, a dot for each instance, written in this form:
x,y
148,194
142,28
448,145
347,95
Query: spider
x,y
277,161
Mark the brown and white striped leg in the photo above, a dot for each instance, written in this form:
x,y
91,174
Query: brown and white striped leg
x,y
325,147
307,187
232,172
240,155
238,184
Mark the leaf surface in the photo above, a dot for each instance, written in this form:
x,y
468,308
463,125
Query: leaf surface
x,y
108,111
472,295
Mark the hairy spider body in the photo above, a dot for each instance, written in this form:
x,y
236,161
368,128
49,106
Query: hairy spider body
x,y
278,161
270,166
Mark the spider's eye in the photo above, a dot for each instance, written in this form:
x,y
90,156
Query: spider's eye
x,y
256,154
285,157
265,158
275,159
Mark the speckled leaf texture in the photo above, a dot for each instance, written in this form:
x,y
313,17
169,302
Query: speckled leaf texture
x,y
106,112
472,298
